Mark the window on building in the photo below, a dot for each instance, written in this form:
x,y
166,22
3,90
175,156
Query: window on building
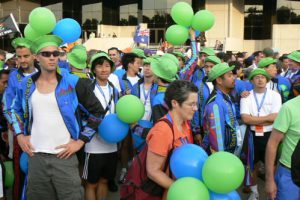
x,y
129,14
288,12
254,26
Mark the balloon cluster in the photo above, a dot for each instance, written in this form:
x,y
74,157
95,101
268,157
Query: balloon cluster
x,y
114,127
183,14
42,21
201,177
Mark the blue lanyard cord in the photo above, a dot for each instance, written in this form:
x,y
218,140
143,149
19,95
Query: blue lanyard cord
x,y
144,93
259,106
107,102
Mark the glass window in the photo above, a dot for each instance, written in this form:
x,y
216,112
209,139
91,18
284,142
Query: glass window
x,y
254,26
128,14
288,12
91,16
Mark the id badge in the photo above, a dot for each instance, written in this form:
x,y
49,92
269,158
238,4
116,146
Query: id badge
x,y
259,130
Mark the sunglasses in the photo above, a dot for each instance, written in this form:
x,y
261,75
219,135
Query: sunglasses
x,y
49,53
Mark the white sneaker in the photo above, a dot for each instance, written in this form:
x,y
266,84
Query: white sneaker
x,y
122,175
253,196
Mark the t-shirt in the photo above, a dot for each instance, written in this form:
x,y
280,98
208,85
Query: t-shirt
x,y
271,104
288,122
160,137
145,98
272,86
115,81
97,144
133,80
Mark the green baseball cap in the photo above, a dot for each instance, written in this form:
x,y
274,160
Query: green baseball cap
x,y
208,51
219,70
265,62
139,52
213,59
102,54
46,41
77,57
164,68
259,71
295,56
21,42
173,58
148,60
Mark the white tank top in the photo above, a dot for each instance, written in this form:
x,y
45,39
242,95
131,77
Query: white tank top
x,y
48,127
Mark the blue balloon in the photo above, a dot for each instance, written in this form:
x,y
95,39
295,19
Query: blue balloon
x,y
68,30
112,129
138,141
234,195
197,33
24,162
188,161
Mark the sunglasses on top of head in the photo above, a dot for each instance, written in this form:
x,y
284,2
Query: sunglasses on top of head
x,y
49,53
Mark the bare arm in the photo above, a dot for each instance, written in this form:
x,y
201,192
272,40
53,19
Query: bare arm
x,y
264,121
154,166
274,140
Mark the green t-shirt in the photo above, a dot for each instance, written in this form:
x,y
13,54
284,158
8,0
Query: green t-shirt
x,y
288,122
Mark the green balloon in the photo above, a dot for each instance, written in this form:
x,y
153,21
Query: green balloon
x,y
177,34
188,188
42,20
203,20
223,172
9,174
30,33
130,109
182,13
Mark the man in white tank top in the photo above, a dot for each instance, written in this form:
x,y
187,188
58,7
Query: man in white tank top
x,y
51,135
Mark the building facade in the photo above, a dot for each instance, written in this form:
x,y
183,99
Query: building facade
x,y
240,24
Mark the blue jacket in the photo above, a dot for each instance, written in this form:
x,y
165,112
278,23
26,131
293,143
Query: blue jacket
x,y
125,85
70,93
14,80
220,123
235,94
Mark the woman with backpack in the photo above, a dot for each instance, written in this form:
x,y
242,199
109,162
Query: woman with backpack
x,y
182,99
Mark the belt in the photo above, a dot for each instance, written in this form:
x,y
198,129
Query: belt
x,y
282,165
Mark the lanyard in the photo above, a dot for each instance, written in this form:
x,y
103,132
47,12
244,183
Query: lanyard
x,y
108,103
259,106
144,93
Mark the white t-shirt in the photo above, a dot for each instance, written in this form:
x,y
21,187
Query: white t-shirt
x,y
48,128
271,104
133,80
115,81
97,144
143,95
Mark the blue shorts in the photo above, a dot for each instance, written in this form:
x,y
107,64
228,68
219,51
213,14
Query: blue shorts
x,y
286,189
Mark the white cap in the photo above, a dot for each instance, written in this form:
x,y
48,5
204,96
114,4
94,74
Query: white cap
x,y
9,56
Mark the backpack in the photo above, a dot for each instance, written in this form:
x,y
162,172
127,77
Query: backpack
x,y
137,185
295,165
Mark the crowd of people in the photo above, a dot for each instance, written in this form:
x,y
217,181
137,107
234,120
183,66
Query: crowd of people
x,y
53,102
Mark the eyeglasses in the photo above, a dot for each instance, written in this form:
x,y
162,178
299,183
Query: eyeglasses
x,y
49,53
113,54
192,105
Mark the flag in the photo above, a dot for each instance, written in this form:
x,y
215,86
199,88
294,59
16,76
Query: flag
x,y
141,36
8,25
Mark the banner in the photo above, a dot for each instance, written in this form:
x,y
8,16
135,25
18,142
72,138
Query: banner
x,y
141,36
8,25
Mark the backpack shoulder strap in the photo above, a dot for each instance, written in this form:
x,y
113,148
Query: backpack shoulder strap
x,y
170,124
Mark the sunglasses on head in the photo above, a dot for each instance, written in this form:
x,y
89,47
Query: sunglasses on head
x,y
49,53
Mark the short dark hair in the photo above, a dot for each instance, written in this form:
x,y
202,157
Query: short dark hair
x,y
128,58
239,55
179,90
113,48
256,53
100,61
223,56
237,66
3,71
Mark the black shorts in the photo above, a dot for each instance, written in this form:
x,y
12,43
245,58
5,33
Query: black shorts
x,y
260,145
102,165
